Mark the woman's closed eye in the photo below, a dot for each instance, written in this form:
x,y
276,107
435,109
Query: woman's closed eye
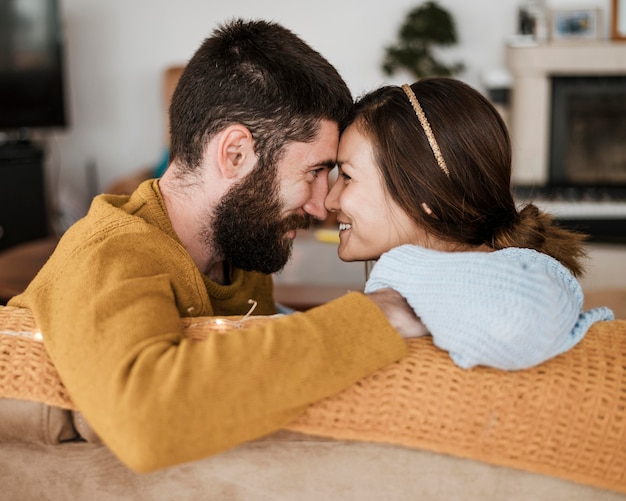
x,y
344,176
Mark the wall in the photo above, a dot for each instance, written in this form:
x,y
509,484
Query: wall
x,y
117,50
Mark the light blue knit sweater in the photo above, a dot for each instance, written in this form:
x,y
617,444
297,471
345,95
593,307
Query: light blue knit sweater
x,y
510,309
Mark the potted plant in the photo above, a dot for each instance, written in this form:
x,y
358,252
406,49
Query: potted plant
x,y
424,27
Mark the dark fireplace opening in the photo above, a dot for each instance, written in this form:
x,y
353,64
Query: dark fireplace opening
x,y
588,132
586,184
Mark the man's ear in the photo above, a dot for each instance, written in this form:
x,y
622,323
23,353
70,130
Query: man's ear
x,y
235,153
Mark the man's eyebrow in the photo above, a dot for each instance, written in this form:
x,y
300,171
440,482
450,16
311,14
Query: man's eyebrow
x,y
329,164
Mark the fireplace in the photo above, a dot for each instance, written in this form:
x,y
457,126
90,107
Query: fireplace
x,y
568,131
587,145
533,70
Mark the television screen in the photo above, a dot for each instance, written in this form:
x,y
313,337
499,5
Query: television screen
x,y
31,65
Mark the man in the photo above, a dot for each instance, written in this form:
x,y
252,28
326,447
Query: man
x,y
255,121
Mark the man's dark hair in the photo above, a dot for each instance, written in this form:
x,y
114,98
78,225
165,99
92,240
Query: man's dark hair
x,y
263,76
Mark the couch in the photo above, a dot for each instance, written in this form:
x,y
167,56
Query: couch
x,y
284,466
419,429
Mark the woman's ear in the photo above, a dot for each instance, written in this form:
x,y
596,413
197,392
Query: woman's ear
x,y
235,155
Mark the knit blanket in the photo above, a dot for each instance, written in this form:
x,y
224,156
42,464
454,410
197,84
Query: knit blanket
x,y
565,418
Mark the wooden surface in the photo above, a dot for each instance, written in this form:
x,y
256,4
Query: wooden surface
x,y
613,298
303,297
20,264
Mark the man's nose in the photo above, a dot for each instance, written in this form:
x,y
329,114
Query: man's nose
x,y
315,204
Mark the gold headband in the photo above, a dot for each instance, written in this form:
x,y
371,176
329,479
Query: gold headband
x,y
427,130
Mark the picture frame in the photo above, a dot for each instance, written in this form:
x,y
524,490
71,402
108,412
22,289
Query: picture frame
x,y
618,20
575,24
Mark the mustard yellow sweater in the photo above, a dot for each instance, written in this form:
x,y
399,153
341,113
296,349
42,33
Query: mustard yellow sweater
x,y
109,303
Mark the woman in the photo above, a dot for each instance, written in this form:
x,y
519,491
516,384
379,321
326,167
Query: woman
x,y
424,187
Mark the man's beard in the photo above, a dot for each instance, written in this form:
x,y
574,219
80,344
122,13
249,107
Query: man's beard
x,y
248,228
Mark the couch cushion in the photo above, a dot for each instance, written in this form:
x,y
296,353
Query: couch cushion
x,y
278,468
26,421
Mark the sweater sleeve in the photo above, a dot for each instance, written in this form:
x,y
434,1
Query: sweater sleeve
x,y
112,328
509,309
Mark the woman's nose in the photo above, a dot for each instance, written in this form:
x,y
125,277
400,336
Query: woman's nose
x,y
332,199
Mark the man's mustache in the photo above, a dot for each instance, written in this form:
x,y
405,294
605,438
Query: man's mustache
x,y
297,222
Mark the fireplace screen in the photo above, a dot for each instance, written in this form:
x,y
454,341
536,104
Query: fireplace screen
x,y
588,131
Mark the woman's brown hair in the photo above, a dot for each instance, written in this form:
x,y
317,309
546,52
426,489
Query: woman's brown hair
x,y
473,204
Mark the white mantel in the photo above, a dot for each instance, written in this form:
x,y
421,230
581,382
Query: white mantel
x,y
531,68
